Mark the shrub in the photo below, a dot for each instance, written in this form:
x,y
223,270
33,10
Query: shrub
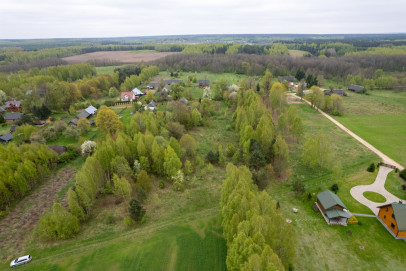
x,y
88,148
176,129
212,157
371,167
298,187
141,194
136,210
178,181
334,187
402,174
353,220
109,103
161,184
128,221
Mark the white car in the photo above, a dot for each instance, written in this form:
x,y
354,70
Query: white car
x,y
21,260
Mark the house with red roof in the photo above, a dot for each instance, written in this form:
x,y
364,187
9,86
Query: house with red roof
x,y
127,96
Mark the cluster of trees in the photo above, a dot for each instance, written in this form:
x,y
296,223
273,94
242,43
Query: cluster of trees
x,y
22,168
262,143
332,104
378,80
135,80
123,163
257,235
331,68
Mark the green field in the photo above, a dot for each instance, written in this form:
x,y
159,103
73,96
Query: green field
x,y
387,132
197,245
105,70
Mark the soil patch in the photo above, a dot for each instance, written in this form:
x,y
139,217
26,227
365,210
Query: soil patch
x,y
22,219
116,57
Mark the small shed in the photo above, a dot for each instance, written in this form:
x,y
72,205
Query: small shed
x,y
184,100
91,110
13,117
6,137
355,88
289,79
152,85
203,83
393,217
332,208
335,91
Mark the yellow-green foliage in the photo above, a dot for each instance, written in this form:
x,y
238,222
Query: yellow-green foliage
x,y
353,220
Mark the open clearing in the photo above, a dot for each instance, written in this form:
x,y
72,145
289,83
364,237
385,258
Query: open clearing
x,y
20,222
117,57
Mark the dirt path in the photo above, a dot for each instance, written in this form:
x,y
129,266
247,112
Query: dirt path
x,y
22,219
384,157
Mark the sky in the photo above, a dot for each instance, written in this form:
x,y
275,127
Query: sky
x,y
27,19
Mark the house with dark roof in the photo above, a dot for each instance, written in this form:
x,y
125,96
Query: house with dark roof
x,y
152,85
332,208
174,81
393,217
330,92
203,83
6,137
13,117
14,106
289,79
355,88
151,106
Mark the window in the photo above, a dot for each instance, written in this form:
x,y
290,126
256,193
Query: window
x,y
384,216
393,216
387,209
392,226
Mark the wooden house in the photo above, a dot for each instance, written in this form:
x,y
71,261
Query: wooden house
x,y
355,88
13,117
393,217
14,106
203,83
332,208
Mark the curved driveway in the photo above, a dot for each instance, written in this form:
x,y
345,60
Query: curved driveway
x,y
379,187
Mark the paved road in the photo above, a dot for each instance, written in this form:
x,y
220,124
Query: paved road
x,y
384,157
378,186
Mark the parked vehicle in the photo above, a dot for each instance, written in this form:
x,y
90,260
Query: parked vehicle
x,y
21,260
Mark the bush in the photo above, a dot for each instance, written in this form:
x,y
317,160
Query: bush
x,y
161,184
403,186
128,221
176,129
353,220
136,210
371,167
109,103
402,174
212,157
298,187
334,187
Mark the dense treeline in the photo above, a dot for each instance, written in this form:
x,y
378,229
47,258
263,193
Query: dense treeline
x,y
21,169
38,63
337,68
258,237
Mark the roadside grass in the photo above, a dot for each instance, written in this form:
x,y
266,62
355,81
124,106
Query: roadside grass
x,y
375,197
394,184
387,132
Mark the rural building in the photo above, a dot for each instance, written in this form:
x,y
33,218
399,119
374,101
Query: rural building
x,y
14,106
335,91
151,106
203,83
6,137
184,100
393,216
91,110
332,208
355,88
58,149
127,96
166,88
152,85
13,117
137,92
289,79
175,81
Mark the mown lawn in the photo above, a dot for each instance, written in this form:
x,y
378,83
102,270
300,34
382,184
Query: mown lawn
x,y
387,132
105,70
